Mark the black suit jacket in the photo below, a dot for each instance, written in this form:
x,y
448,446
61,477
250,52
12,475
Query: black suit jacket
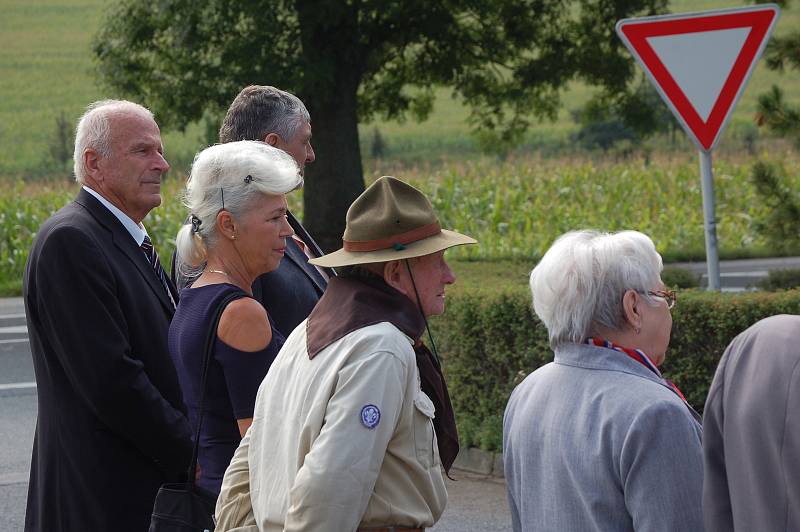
x,y
112,425
290,292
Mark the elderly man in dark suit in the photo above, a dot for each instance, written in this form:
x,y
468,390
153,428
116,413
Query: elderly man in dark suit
x,y
280,119
112,425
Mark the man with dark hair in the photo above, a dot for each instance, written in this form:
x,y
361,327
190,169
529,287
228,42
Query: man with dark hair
x,y
273,116
280,119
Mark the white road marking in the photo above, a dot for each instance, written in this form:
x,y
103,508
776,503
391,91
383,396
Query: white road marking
x,y
17,386
15,341
14,329
14,478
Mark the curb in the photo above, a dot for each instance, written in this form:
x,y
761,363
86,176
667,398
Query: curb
x,y
473,460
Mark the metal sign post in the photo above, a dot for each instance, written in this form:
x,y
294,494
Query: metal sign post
x,y
709,220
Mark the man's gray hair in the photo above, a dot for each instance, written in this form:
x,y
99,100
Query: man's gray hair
x,y
94,130
260,110
229,176
579,283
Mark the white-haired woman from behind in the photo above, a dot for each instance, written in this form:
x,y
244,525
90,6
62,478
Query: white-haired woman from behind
x,y
236,197
598,440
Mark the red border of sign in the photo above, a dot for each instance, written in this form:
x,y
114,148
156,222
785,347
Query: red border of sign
x,y
636,32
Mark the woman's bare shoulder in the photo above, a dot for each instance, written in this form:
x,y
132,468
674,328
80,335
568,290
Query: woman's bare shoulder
x,y
244,325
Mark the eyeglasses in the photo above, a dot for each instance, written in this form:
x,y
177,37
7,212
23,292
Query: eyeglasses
x,y
667,295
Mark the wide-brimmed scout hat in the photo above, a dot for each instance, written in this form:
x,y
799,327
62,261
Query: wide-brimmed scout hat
x,y
391,220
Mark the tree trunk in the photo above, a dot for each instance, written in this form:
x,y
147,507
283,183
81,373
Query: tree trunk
x,y
333,60
336,178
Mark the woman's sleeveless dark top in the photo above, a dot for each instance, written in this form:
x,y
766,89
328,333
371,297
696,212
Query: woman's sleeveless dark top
x,y
233,377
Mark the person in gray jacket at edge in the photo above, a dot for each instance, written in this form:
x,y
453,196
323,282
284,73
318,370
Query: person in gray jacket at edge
x,y
598,440
752,440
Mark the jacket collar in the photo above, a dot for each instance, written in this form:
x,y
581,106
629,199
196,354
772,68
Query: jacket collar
x,y
124,241
137,231
298,256
354,303
594,357
301,232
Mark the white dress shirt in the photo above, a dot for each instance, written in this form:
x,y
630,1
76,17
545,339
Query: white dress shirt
x,y
137,231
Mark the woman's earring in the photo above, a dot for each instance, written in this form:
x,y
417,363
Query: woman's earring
x,y
637,330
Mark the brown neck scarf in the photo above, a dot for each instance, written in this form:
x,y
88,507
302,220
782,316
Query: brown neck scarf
x,y
351,303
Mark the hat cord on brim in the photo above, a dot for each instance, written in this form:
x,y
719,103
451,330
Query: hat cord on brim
x,y
422,312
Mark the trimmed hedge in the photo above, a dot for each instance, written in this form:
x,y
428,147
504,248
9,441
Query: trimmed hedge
x,y
491,341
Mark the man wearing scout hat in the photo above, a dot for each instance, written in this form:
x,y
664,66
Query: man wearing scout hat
x,y
353,422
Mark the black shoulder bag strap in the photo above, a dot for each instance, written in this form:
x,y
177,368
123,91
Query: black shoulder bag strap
x,y
212,335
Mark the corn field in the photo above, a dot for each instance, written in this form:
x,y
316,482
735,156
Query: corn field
x,y
515,208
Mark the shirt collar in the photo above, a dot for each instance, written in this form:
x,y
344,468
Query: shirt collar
x,y
137,231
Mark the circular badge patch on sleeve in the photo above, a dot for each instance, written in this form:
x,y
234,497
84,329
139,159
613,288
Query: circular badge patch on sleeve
x,y
370,416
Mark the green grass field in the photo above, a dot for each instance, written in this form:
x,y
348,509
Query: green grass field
x,y
46,69
515,209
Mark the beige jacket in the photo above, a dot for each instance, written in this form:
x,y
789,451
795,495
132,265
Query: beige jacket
x,y
318,461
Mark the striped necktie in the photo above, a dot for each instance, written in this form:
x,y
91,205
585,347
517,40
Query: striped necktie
x,y
152,257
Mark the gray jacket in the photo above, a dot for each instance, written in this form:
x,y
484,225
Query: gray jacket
x,y
595,441
752,439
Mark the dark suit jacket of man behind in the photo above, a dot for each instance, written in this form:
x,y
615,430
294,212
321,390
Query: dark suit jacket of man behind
x,y
111,426
291,292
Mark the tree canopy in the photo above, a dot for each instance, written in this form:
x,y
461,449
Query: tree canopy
x,y
354,60
773,110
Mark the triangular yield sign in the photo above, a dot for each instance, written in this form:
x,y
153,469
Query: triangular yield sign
x,y
700,62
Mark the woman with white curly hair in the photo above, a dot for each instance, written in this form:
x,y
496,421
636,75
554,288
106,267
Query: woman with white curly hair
x,y
238,230
598,440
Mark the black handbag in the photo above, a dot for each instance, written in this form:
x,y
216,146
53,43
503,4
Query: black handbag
x,y
186,507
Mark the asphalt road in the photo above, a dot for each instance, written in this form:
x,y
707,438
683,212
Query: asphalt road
x,y
737,275
17,413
